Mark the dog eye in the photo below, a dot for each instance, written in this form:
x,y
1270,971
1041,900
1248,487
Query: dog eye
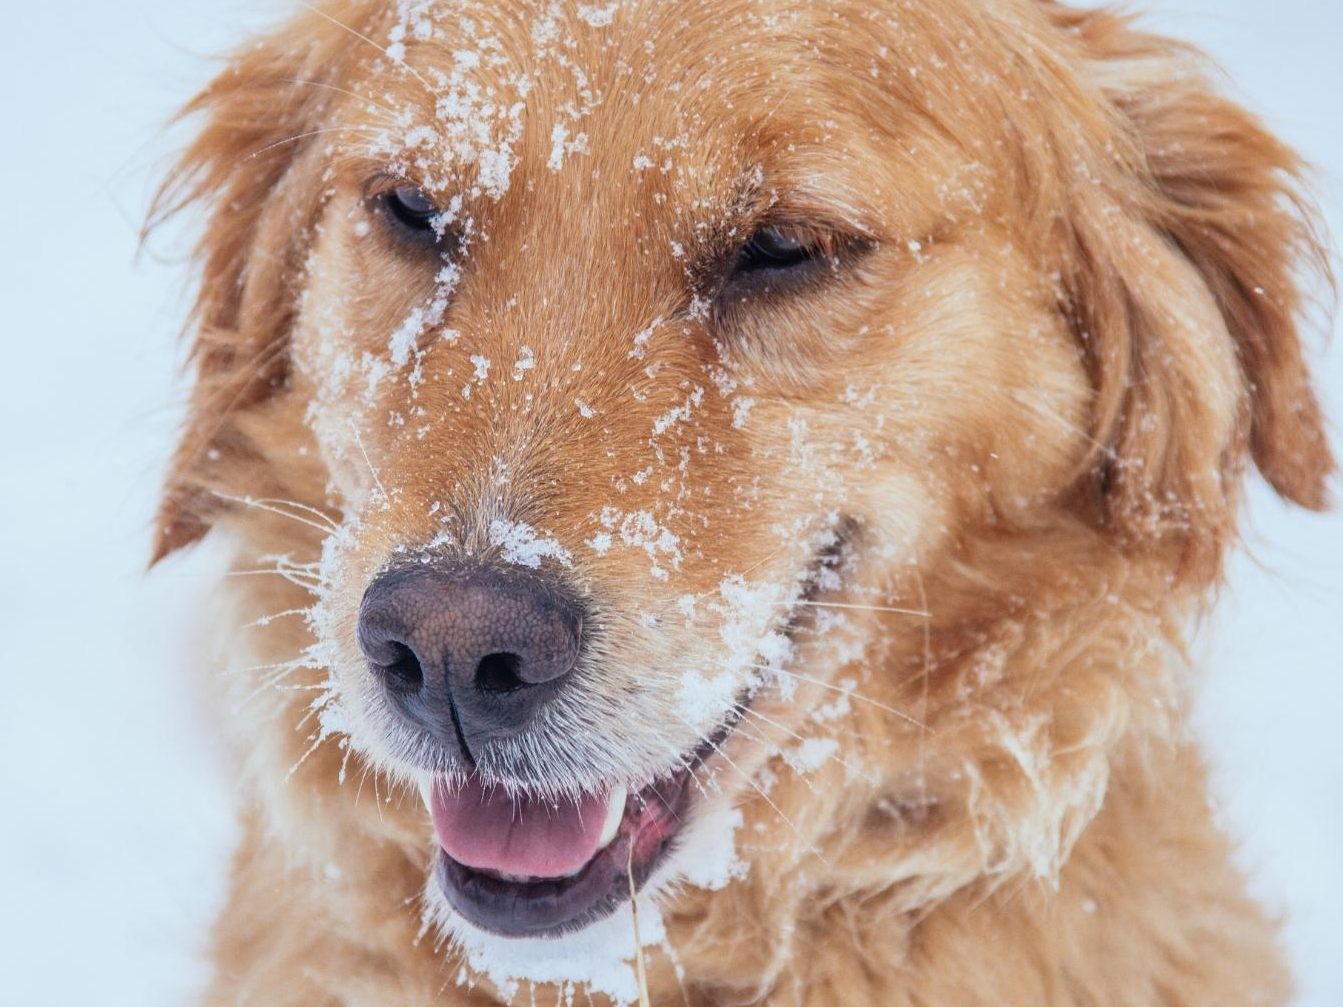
x,y
411,210
777,248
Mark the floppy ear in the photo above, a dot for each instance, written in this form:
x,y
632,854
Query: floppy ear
x,y
260,118
1192,264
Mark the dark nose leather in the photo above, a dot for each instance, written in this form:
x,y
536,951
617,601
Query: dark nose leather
x,y
469,654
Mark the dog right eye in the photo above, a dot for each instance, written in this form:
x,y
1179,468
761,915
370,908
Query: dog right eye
x,y
777,248
409,209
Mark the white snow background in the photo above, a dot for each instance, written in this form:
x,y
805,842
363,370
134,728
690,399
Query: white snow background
x,y
116,819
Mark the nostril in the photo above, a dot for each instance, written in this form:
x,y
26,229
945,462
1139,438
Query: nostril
x,y
499,673
404,667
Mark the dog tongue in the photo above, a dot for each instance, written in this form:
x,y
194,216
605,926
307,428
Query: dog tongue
x,y
490,829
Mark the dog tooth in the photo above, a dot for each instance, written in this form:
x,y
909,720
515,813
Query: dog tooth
x,y
615,811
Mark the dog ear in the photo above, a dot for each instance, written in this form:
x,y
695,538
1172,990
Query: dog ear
x,y
258,120
1191,277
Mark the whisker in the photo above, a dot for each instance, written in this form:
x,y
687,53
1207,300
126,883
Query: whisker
x,y
763,560
359,790
266,620
359,35
309,133
1042,410
270,508
927,675
290,665
759,790
315,511
764,742
369,99
273,680
795,736
311,586
314,709
855,606
317,737
829,729
845,692
386,500
309,568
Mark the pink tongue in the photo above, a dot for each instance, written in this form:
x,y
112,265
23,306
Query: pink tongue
x,y
489,829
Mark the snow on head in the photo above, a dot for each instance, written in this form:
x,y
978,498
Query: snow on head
x,y
474,124
598,17
525,362
425,318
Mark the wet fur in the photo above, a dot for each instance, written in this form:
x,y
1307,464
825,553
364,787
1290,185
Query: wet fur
x,y
1083,321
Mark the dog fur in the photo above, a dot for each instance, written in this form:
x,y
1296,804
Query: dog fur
x,y
1024,413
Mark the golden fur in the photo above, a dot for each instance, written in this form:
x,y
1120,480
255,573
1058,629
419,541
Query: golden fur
x,y
1029,407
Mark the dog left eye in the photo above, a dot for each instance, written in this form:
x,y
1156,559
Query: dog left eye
x,y
410,209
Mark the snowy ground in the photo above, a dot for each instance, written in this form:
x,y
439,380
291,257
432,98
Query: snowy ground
x,y
117,821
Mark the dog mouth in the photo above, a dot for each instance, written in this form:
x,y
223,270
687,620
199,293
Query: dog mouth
x,y
524,866
520,865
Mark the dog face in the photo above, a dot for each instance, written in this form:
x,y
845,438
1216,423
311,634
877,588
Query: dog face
x,y
680,378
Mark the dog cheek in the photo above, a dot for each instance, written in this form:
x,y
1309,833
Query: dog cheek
x,y
903,517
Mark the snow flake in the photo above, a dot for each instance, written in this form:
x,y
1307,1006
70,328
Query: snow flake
x,y
525,362
561,145
521,544
598,17
641,339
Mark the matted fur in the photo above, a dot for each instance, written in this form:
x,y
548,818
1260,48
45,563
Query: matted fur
x,y
1027,409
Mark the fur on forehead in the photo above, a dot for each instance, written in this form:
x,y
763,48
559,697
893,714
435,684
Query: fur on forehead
x,y
479,100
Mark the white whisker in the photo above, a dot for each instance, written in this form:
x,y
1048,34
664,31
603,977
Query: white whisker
x,y
759,790
1033,402
845,692
270,507
794,735
855,606
362,37
309,133
386,500
314,511
266,620
312,586
368,99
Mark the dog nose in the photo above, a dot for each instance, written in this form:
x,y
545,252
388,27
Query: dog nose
x,y
471,654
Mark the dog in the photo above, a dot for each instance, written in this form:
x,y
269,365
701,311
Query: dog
x,y
718,492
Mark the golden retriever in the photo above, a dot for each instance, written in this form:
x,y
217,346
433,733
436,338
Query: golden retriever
x,y
718,492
